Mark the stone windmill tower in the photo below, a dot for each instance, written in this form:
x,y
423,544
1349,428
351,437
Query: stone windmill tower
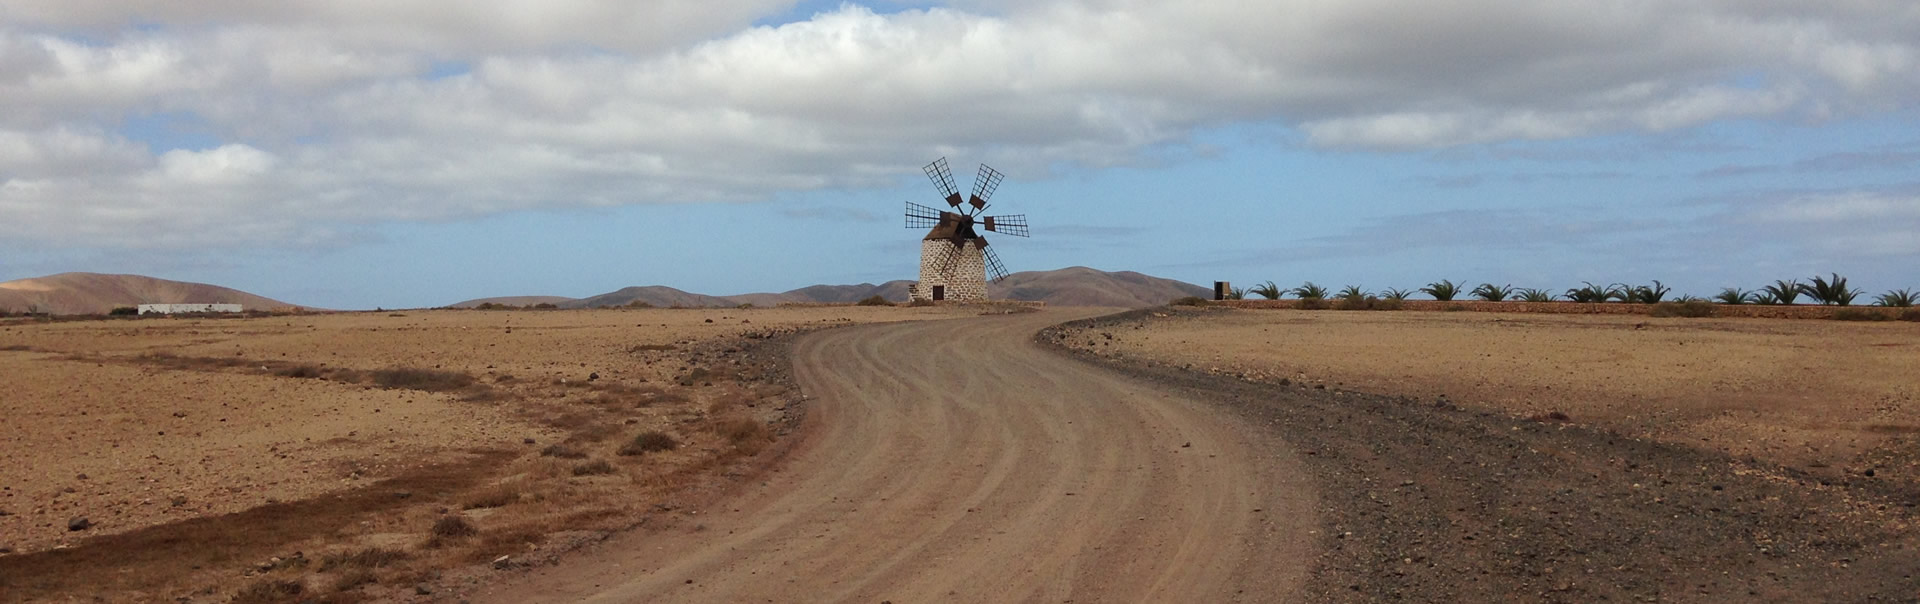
x,y
955,262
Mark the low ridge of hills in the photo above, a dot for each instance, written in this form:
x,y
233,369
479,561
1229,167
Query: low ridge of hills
x,y
96,293
1074,286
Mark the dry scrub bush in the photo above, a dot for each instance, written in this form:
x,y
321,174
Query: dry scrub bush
x,y
874,300
921,303
1910,315
269,591
598,467
492,498
1851,314
428,380
1188,301
454,527
563,451
372,557
1690,309
650,442
355,578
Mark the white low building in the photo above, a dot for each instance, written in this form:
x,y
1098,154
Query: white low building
x,y
169,309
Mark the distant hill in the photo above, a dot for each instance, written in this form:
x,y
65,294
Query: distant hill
x,y
656,295
95,293
1076,286
514,301
1082,286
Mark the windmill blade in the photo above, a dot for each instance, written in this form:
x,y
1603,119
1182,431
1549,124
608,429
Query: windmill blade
x,y
984,184
922,217
942,178
995,270
1012,224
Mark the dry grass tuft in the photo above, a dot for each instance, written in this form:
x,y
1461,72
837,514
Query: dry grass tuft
x,y
269,591
563,451
454,527
598,467
500,496
1551,416
650,442
355,578
372,557
740,429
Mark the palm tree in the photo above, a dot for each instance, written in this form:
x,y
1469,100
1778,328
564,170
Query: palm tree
x,y
1493,293
1784,291
1309,291
1443,291
1901,298
1353,292
1593,293
1735,295
1645,294
1268,290
1528,294
1833,292
1396,294
1237,293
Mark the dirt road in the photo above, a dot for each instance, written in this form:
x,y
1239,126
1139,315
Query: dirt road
x,y
957,461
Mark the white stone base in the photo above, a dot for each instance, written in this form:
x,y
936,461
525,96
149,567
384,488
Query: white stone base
x,y
964,279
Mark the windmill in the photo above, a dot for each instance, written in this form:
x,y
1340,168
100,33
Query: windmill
x,y
955,262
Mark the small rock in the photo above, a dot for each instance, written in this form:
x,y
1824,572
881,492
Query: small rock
x,y
1188,445
402,494
422,590
179,414
501,563
81,477
79,523
593,376
709,320
177,500
527,440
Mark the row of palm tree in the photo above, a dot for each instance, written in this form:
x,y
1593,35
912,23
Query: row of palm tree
x,y
1831,290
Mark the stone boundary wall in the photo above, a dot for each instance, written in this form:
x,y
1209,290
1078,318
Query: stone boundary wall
x,y
1798,311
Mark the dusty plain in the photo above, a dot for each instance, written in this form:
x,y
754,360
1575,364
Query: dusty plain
x,y
159,459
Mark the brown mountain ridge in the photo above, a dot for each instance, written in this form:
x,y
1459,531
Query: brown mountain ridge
x,y
1073,286
96,293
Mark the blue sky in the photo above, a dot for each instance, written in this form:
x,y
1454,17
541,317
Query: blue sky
x,y
347,157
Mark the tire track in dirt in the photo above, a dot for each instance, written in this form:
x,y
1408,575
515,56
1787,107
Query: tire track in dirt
x,y
957,461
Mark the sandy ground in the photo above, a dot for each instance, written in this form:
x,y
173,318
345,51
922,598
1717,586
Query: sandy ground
x,y
147,429
1809,394
957,461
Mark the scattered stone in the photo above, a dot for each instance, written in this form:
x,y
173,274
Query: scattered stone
x,y
502,563
402,494
81,477
527,440
178,500
422,590
593,376
79,523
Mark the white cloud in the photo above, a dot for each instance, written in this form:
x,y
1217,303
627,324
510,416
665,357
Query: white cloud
x,y
327,114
